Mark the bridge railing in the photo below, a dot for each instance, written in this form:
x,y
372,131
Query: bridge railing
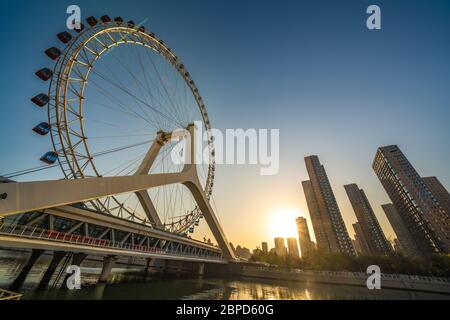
x,y
350,274
9,295
34,232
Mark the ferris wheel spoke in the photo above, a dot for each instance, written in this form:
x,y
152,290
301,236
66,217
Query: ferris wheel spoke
x,y
149,87
179,107
130,114
121,136
171,103
122,105
166,104
140,86
118,149
175,109
125,164
139,100
167,100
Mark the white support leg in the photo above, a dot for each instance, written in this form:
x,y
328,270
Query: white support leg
x,y
198,193
149,208
144,169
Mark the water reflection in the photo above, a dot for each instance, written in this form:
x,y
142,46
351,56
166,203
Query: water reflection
x,y
229,289
195,289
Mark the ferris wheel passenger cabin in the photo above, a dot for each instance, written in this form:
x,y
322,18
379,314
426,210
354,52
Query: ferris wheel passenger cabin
x,y
44,74
64,37
53,53
43,128
50,157
41,99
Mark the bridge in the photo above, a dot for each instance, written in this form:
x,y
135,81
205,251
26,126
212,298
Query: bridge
x,y
61,223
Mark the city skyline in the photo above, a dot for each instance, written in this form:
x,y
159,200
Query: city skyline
x,y
369,237
341,111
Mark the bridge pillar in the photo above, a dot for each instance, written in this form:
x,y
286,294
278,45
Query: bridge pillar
x,y
178,267
147,266
77,259
57,257
18,282
201,269
108,263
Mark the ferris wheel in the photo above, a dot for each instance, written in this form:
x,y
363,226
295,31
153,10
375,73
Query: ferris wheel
x,y
112,88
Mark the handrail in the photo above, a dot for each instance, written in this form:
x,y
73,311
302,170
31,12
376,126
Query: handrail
x,y
9,295
52,235
428,279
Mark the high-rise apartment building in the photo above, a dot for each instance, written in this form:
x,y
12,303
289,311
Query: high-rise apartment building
x,y
361,246
306,245
398,247
264,247
426,220
293,247
357,247
329,227
280,247
404,237
439,192
368,222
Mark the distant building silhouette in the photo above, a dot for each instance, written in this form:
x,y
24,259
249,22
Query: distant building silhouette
x,y
243,252
426,220
264,247
293,247
306,245
280,247
368,223
329,227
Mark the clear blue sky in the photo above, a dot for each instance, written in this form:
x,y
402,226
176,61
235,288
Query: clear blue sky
x,y
310,68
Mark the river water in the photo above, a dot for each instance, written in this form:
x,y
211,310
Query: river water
x,y
133,287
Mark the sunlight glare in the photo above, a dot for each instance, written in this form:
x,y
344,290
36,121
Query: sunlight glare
x,y
282,223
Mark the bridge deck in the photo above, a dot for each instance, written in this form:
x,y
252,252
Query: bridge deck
x,y
29,237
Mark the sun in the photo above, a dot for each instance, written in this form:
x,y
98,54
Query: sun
x,y
282,223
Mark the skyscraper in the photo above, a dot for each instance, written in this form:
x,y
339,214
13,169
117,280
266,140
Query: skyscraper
x,y
404,237
398,247
329,228
357,247
280,247
306,245
439,192
264,247
424,217
368,223
293,247
361,247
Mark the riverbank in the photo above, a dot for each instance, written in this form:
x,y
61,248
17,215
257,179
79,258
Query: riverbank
x,y
358,279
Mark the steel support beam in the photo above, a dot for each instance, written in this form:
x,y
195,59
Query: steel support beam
x,y
108,263
57,257
33,196
18,282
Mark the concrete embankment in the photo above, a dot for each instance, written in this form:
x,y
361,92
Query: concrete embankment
x,y
388,281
